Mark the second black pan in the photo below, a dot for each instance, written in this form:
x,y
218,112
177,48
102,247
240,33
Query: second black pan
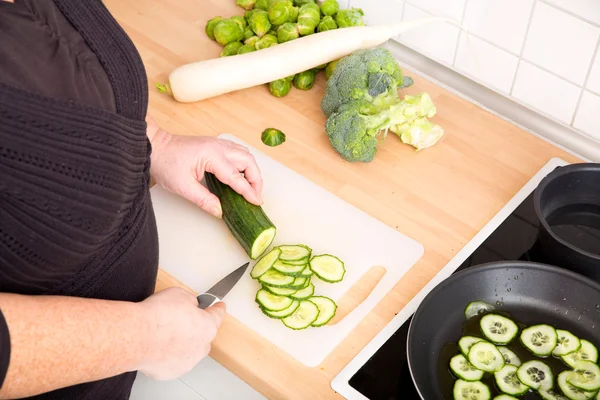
x,y
531,293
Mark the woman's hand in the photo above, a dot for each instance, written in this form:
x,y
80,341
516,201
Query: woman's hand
x,y
179,163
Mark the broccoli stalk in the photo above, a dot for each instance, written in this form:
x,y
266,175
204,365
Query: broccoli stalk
x,y
420,134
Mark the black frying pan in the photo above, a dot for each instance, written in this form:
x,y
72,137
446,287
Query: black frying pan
x,y
532,293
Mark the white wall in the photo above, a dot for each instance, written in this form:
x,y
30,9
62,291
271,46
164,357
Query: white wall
x,y
541,53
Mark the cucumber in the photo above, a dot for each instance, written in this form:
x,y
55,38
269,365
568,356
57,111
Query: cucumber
x,y
536,374
304,293
306,313
465,343
463,369
297,252
279,291
510,357
286,269
247,222
571,391
328,268
265,263
477,308
585,376
587,352
551,395
306,272
540,339
566,343
283,313
327,309
272,302
498,329
303,262
464,390
504,397
299,283
486,357
508,381
276,279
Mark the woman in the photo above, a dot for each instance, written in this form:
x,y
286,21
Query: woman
x,y
78,239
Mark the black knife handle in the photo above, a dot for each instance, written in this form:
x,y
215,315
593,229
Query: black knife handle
x,y
206,300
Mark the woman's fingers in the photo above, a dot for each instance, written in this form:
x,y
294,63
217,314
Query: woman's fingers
x,y
245,162
203,198
227,172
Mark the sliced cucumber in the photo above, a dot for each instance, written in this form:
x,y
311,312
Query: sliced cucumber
x,y
566,343
302,261
306,313
304,293
463,369
498,329
587,352
272,302
279,291
465,343
283,313
327,309
486,357
571,391
328,268
504,397
276,279
536,374
477,308
508,381
286,269
539,339
296,252
298,283
306,272
464,390
510,357
585,376
265,263
551,395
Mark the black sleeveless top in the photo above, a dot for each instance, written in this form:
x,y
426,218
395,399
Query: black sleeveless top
x,y
75,213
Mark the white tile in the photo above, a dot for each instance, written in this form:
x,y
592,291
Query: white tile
x,y
215,382
588,116
489,64
444,8
488,19
437,41
588,9
560,43
545,92
145,388
593,83
379,11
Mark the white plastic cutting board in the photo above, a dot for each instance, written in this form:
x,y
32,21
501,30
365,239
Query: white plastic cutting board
x,y
198,250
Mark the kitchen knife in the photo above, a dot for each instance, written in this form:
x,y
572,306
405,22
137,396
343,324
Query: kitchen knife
x,y
218,291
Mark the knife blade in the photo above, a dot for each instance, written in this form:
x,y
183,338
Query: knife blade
x,y
221,288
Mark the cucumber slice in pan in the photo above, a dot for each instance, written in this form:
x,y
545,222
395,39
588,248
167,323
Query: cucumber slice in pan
x,y
571,391
476,308
265,263
464,390
539,339
306,313
566,343
587,352
536,374
327,309
465,343
283,313
486,357
328,268
551,395
585,376
272,302
508,381
463,369
510,357
498,329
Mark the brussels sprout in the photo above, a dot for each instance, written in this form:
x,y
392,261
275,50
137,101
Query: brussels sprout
x,y
329,69
248,33
266,41
248,14
305,80
313,6
349,17
280,87
227,31
279,12
246,4
294,12
299,3
247,48
272,137
210,26
287,32
231,49
305,27
262,5
330,7
240,20
326,24
308,19
260,23
252,41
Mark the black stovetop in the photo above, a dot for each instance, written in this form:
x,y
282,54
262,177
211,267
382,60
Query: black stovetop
x,y
386,375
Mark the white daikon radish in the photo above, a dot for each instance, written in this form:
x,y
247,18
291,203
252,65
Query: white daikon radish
x,y
209,78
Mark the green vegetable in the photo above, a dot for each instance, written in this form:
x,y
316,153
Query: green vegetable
x,y
248,33
240,20
210,26
330,68
326,24
231,49
287,32
227,31
330,7
280,87
279,12
308,20
305,80
262,5
272,137
350,17
311,6
252,41
421,133
294,12
259,22
266,41
247,48
299,3
248,223
246,4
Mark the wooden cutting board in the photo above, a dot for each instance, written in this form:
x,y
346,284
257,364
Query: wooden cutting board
x,y
198,250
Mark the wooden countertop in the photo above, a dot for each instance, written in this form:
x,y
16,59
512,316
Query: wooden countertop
x,y
440,197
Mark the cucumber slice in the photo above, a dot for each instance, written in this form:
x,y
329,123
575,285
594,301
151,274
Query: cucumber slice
x,y
298,283
486,357
295,252
302,261
587,352
571,391
265,263
306,313
279,291
290,270
498,329
566,343
585,376
505,397
477,308
508,381
463,369
328,268
327,309
306,272
272,302
464,390
551,395
539,339
510,357
276,279
283,313
304,293
465,343
536,374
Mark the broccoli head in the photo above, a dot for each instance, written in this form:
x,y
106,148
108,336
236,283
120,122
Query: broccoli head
x,y
370,74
